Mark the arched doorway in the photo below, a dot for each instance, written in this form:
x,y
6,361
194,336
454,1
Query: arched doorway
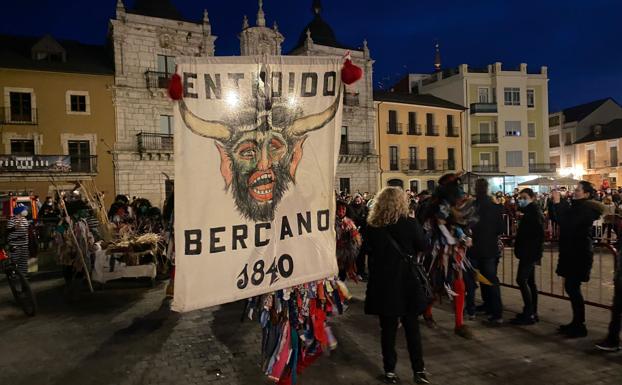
x,y
395,183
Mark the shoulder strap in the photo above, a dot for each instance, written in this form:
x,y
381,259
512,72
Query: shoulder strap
x,y
396,245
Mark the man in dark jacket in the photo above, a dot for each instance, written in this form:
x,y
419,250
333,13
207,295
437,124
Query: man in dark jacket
x,y
485,250
357,211
612,342
576,253
528,249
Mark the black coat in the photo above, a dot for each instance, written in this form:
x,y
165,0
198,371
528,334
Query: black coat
x,y
391,286
358,213
487,230
576,252
529,242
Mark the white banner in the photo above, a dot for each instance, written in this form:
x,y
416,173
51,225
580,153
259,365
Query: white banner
x,y
256,147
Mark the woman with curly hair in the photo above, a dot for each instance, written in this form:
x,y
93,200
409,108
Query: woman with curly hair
x,y
392,286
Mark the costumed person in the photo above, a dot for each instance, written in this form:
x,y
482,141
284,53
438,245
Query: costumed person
x,y
119,210
17,237
358,211
576,249
447,217
68,251
349,243
611,343
392,286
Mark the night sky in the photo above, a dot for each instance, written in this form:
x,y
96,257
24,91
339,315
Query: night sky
x,y
579,40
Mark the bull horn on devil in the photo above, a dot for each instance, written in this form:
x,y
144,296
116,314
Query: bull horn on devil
x,y
207,128
315,121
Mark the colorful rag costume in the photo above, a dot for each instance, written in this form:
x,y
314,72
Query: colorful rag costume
x,y
447,217
349,243
294,329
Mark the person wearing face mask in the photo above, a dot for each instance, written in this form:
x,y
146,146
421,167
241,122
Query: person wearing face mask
x,y
528,248
17,237
576,253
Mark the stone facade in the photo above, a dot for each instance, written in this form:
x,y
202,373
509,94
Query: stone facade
x,y
260,40
143,154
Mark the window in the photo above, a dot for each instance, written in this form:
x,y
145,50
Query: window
x,y
555,160
344,185
393,158
613,156
568,140
166,129
22,147
414,186
78,103
80,155
531,98
343,147
511,96
512,128
21,106
166,64
568,160
451,158
554,140
482,95
412,158
531,158
485,159
591,159
554,121
393,126
531,129
451,130
431,185
431,129
166,124
412,123
514,159
431,159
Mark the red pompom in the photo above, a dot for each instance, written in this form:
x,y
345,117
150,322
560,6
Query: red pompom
x,y
174,87
350,72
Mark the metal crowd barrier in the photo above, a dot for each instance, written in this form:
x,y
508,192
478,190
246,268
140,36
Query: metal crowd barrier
x,y
597,292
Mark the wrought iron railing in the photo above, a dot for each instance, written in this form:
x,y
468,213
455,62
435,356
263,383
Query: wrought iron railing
x,y
452,132
425,165
542,167
431,130
485,168
484,138
414,129
354,148
150,141
483,108
394,128
157,79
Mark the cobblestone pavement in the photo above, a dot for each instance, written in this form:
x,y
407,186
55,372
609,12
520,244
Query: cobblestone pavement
x,y
126,335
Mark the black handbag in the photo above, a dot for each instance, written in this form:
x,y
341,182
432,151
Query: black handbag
x,y
423,290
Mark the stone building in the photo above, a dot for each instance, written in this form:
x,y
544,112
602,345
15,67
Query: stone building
x,y
358,165
146,40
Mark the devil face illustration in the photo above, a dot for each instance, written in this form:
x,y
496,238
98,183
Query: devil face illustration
x,y
260,147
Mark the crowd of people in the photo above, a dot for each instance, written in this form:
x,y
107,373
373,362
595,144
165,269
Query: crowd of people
x,y
458,239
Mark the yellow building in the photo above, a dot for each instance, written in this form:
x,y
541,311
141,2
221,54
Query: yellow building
x,y
57,117
596,154
419,139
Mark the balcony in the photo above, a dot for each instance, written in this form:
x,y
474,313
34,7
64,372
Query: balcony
x,y
414,129
355,148
483,108
484,139
48,164
394,129
452,132
425,165
19,117
485,168
156,79
542,167
152,142
431,130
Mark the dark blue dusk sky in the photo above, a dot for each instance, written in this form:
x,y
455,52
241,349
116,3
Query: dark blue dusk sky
x,y
579,40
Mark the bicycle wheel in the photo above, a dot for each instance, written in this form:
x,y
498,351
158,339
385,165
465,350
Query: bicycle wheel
x,y
22,292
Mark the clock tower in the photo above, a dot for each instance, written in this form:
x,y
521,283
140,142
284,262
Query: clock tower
x,y
260,40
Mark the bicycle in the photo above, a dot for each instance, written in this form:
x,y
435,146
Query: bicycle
x,y
20,287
